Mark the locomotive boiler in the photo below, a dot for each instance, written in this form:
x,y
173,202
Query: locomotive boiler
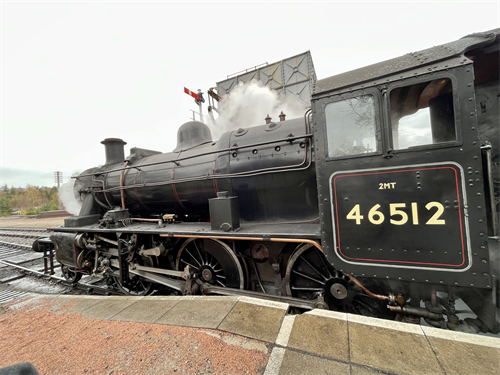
x,y
382,200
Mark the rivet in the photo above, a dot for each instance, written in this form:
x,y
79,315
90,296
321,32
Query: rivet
x,y
479,207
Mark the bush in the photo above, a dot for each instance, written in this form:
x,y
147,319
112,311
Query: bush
x,y
36,210
5,207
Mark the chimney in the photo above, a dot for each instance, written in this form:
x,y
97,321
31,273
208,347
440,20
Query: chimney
x,y
114,148
268,119
282,116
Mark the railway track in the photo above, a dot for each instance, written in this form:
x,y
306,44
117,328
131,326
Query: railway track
x,y
23,270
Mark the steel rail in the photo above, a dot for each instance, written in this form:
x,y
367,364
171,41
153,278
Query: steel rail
x,y
85,287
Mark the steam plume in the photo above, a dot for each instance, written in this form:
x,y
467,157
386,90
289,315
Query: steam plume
x,y
248,104
71,203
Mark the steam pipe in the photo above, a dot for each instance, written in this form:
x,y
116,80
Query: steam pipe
x,y
416,311
391,298
122,192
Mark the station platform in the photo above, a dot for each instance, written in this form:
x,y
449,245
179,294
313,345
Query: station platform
x,y
225,335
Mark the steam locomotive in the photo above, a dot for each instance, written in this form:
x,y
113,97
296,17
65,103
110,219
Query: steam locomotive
x,y
382,200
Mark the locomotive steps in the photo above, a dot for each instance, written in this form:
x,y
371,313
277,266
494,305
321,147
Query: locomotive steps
x,y
318,341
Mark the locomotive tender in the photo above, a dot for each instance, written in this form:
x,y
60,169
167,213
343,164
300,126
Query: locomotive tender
x,y
381,201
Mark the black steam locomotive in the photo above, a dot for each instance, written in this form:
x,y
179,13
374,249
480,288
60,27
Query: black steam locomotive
x,y
382,200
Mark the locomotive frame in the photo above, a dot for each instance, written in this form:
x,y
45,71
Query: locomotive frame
x,y
261,211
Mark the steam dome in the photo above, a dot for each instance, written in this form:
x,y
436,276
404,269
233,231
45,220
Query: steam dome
x,y
191,134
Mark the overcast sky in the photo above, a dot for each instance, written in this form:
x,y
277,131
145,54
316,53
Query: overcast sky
x,y
74,73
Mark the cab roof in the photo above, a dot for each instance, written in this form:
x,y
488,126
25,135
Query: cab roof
x,y
406,62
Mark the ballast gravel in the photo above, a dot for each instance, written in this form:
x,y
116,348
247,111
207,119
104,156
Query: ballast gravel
x,y
58,340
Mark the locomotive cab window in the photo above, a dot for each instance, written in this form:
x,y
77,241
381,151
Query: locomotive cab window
x,y
422,114
351,126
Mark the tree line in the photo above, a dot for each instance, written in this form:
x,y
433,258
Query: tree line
x,y
28,201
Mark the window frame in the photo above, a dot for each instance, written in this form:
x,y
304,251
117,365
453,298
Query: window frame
x,y
456,113
375,94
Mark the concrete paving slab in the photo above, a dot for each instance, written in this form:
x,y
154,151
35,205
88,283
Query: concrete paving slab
x,y
295,363
145,311
106,308
391,346
461,353
360,370
162,298
197,312
317,332
82,304
260,322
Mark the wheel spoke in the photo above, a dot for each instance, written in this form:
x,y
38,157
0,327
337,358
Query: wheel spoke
x,y
308,277
142,285
221,277
221,283
198,250
308,289
196,260
313,268
189,264
323,261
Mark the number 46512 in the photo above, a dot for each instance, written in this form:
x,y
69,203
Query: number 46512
x,y
397,215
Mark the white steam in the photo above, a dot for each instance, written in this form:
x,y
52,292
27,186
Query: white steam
x,y
71,203
248,105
